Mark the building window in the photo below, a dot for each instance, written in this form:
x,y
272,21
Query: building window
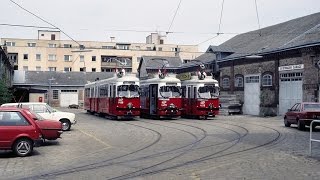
x,y
238,81
93,70
123,46
52,45
38,68
138,47
81,58
55,94
53,37
67,58
226,82
52,57
160,49
67,69
93,58
32,44
52,69
107,47
10,43
38,57
267,80
25,56
25,68
67,45
83,69
149,48
252,79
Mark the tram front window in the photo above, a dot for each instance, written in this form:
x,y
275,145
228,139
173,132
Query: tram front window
x,y
208,92
128,91
170,91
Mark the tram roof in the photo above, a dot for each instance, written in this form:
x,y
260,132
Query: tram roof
x,y
196,80
115,78
170,78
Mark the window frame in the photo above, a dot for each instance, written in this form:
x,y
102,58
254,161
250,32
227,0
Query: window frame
x,y
223,82
267,80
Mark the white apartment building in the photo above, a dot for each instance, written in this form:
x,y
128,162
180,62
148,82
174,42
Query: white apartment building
x,y
50,53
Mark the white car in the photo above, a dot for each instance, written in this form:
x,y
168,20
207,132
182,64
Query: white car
x,y
67,119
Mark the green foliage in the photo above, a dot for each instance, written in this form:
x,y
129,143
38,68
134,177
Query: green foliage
x,y
5,94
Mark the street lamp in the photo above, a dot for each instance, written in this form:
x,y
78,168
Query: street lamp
x,y
49,93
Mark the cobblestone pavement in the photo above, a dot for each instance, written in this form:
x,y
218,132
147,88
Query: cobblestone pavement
x,y
225,147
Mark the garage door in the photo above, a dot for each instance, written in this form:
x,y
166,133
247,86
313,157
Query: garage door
x,y
251,104
68,97
290,90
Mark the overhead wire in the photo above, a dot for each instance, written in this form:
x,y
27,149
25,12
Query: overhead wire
x,y
258,19
220,22
27,26
44,21
175,14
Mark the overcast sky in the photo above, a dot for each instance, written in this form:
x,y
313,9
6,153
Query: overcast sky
x,y
195,22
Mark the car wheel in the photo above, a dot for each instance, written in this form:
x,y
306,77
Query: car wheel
x,y
23,147
286,123
66,124
301,125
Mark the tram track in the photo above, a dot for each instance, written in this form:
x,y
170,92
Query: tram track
x,y
141,173
152,169
102,163
209,157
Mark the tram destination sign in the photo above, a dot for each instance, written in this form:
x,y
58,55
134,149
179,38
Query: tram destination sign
x,y
291,67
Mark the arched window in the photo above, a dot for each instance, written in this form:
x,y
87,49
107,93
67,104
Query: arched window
x,y
226,82
267,80
238,81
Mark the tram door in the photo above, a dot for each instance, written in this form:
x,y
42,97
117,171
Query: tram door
x,y
153,92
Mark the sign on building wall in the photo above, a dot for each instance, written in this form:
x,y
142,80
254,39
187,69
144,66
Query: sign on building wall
x,y
291,67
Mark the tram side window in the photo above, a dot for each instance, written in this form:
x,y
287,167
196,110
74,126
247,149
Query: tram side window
x,y
107,92
183,91
110,87
195,92
87,92
91,92
189,92
114,91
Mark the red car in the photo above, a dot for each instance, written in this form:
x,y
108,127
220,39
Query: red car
x,y
50,129
302,114
18,131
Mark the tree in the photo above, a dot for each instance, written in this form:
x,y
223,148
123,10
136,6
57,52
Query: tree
x,y
5,93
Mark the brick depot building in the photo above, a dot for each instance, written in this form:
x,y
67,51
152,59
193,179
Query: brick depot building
x,y
273,68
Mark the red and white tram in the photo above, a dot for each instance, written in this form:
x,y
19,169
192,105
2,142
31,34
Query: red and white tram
x,y
200,96
160,97
117,97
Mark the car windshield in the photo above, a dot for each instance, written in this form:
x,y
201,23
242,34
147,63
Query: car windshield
x,y
170,91
312,107
128,90
50,109
208,91
32,113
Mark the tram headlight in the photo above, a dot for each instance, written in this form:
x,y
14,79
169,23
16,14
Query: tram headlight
x,y
210,106
172,106
130,105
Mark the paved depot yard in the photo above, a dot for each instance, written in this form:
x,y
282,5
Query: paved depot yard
x,y
226,147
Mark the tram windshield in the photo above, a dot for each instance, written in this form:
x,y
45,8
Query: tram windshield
x,y
170,91
208,91
128,91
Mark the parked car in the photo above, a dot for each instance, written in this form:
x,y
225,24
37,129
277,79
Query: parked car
x,y
75,106
43,109
50,129
302,114
18,131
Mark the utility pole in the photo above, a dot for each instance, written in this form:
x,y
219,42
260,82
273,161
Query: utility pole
x,y
49,92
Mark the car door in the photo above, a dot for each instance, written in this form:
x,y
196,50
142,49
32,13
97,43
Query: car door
x,y
12,124
290,113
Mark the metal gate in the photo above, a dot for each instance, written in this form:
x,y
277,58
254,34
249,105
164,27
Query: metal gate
x,y
251,104
290,90
68,97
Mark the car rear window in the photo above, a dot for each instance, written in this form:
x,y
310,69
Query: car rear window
x,y
312,107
